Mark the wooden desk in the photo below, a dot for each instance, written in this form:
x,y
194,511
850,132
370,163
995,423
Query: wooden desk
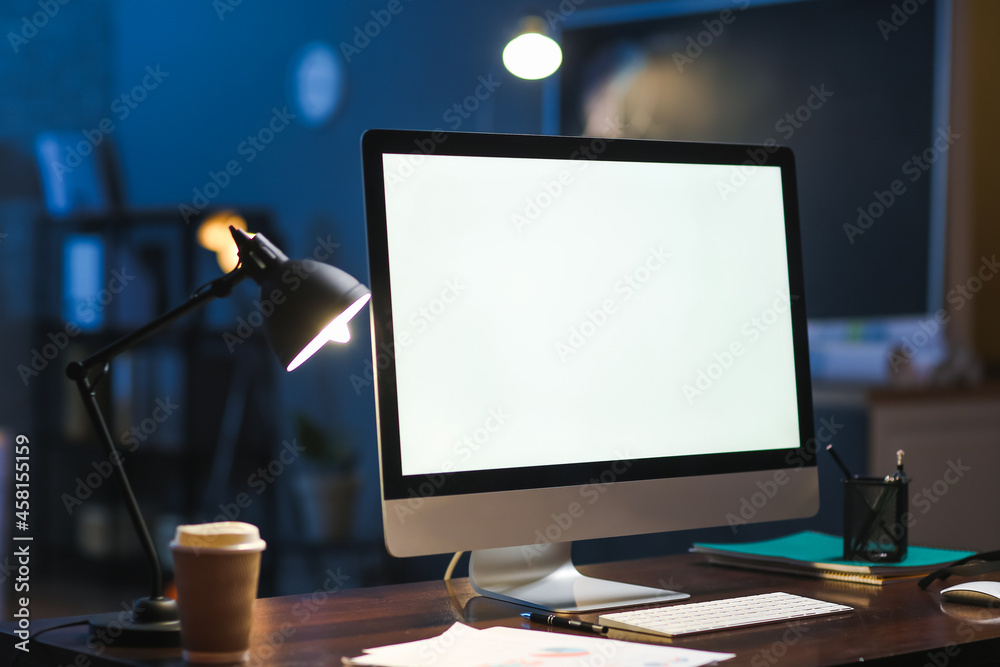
x,y
897,624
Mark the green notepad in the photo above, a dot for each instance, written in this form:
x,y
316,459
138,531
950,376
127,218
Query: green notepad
x,y
819,554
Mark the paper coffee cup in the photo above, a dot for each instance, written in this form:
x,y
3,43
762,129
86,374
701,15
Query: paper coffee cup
x,y
216,567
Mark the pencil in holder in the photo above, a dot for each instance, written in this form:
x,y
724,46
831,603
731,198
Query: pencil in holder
x,y
875,526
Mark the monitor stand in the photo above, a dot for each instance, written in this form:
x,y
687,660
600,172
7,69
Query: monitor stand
x,y
544,576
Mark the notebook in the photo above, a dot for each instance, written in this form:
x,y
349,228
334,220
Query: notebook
x,y
815,554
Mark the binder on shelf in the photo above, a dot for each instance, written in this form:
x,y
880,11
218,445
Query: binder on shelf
x,y
815,554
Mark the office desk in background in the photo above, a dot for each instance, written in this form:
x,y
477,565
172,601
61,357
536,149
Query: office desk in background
x,y
896,624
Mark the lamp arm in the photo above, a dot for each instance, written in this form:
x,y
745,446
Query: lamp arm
x,y
219,288
79,372
142,532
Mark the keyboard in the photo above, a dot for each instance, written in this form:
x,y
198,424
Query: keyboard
x,y
692,617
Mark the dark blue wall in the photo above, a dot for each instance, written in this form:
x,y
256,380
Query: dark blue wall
x,y
226,73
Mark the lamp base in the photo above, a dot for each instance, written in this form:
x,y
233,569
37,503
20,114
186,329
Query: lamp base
x,y
152,622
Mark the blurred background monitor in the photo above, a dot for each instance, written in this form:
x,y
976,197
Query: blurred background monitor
x,y
857,88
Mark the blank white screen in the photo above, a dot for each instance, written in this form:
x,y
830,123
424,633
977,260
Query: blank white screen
x,y
552,311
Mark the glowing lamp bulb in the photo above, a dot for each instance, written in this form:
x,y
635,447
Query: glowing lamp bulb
x,y
336,331
532,56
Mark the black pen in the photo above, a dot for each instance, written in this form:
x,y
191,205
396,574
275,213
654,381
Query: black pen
x,y
839,462
562,622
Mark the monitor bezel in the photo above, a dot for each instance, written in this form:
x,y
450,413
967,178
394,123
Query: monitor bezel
x,y
396,485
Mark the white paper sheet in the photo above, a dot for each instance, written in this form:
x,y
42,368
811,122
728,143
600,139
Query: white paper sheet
x,y
465,646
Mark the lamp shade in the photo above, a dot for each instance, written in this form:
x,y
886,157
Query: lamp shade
x,y
315,309
306,303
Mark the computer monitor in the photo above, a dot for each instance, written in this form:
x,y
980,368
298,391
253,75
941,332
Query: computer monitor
x,y
582,338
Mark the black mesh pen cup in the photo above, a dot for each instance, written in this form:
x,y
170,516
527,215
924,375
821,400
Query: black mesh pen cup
x,y
875,527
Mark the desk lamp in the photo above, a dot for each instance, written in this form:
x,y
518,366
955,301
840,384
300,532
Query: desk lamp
x,y
312,304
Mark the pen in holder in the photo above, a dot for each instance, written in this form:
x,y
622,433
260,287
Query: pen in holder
x,y
875,508
875,528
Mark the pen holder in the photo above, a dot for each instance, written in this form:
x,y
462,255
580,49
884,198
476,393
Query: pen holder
x,y
875,527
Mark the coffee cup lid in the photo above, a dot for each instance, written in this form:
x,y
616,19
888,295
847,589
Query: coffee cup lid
x,y
228,535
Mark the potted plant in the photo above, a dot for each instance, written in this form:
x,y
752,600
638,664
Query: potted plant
x,y
329,482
